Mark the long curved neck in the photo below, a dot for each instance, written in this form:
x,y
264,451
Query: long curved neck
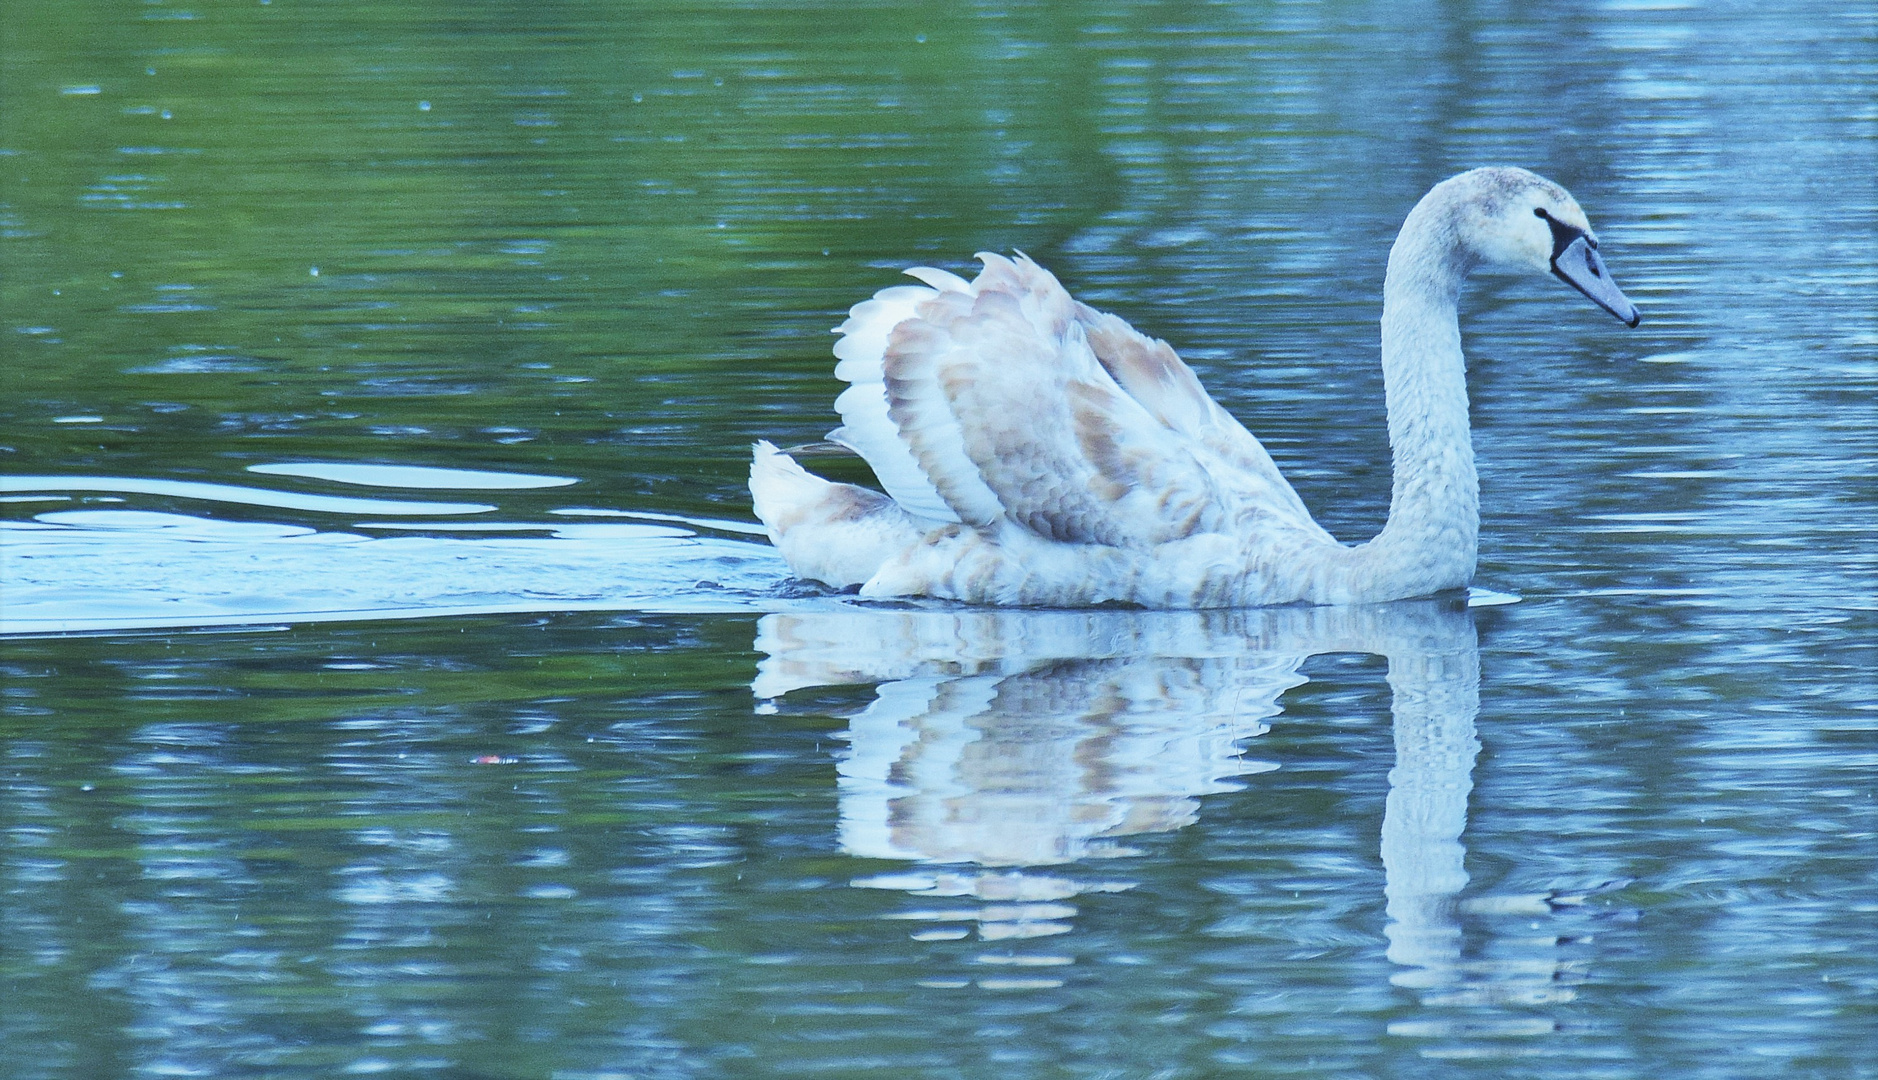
x,y
1430,540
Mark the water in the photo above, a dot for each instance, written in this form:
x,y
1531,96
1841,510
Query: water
x,y
396,686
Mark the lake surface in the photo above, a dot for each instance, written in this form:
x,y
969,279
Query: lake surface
x,y
395,684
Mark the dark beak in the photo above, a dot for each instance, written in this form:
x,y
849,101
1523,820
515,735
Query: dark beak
x,y
1579,265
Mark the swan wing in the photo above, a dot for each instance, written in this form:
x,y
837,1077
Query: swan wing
x,y
865,426
1004,398
1010,413
1154,375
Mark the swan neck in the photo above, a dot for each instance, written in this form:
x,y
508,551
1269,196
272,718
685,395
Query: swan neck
x,y
1431,537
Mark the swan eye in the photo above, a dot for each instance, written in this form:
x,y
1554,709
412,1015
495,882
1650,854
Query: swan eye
x,y
1562,234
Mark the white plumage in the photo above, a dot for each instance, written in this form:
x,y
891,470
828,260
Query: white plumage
x,y
1035,451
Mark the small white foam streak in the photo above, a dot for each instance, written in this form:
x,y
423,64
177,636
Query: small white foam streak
x,y
233,493
411,476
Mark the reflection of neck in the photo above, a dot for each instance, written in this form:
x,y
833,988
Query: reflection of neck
x,y
1437,695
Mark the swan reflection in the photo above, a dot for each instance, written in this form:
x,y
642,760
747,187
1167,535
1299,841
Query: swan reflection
x,y
1001,744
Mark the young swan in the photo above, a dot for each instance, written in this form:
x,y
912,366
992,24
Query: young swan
x,y
1036,451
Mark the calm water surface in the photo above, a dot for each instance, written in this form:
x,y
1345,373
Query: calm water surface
x,y
395,685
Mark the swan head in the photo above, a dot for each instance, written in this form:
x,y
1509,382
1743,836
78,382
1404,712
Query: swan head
x,y
1522,221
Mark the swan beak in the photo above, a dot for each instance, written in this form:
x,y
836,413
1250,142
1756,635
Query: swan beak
x,y
1580,266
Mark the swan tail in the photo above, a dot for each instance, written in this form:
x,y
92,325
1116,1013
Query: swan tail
x,y
838,534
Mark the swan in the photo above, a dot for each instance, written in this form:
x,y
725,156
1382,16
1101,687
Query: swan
x,y
1037,452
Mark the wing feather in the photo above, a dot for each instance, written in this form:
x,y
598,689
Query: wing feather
x,y
865,427
1004,377
1154,375
1003,398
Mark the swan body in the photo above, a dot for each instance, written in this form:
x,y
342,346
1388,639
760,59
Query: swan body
x,y
1038,452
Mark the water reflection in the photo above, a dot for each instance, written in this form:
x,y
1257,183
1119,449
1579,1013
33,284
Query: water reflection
x,y
1003,746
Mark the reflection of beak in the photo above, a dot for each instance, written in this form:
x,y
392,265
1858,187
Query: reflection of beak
x,y
1580,266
